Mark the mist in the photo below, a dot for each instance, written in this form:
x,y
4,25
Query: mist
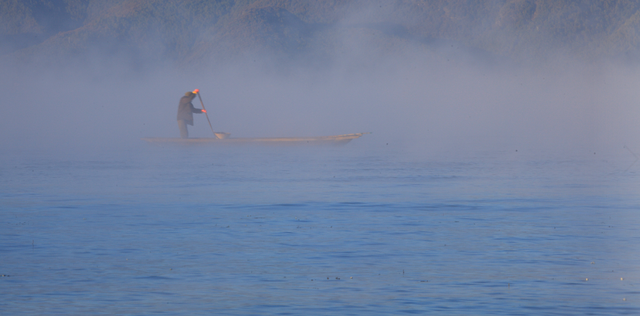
x,y
434,98
499,172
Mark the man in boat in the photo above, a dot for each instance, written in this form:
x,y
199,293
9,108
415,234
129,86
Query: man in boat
x,y
185,112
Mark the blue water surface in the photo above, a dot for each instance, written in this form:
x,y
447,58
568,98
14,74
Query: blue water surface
x,y
353,230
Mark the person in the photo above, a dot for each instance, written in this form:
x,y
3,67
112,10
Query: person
x,y
185,112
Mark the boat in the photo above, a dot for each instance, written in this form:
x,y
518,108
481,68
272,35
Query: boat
x,y
224,138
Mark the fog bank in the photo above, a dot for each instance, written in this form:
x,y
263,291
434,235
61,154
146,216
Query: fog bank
x,y
421,97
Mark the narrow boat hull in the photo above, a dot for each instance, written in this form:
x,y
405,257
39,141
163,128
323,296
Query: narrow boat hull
x,y
322,140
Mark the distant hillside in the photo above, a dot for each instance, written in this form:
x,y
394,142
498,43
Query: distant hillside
x,y
193,31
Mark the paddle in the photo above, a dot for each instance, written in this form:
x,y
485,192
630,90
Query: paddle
x,y
625,146
197,91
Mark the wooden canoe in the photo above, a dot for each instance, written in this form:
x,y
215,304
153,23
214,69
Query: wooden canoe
x,y
321,140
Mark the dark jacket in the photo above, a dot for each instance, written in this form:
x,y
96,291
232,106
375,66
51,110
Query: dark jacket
x,y
186,109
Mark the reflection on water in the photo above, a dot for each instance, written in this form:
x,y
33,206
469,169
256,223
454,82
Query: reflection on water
x,y
199,230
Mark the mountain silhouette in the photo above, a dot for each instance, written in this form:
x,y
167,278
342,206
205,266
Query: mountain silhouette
x,y
195,31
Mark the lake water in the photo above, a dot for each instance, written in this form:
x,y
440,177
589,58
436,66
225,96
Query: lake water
x,y
329,230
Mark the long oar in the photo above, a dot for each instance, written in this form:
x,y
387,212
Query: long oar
x,y
625,146
197,91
